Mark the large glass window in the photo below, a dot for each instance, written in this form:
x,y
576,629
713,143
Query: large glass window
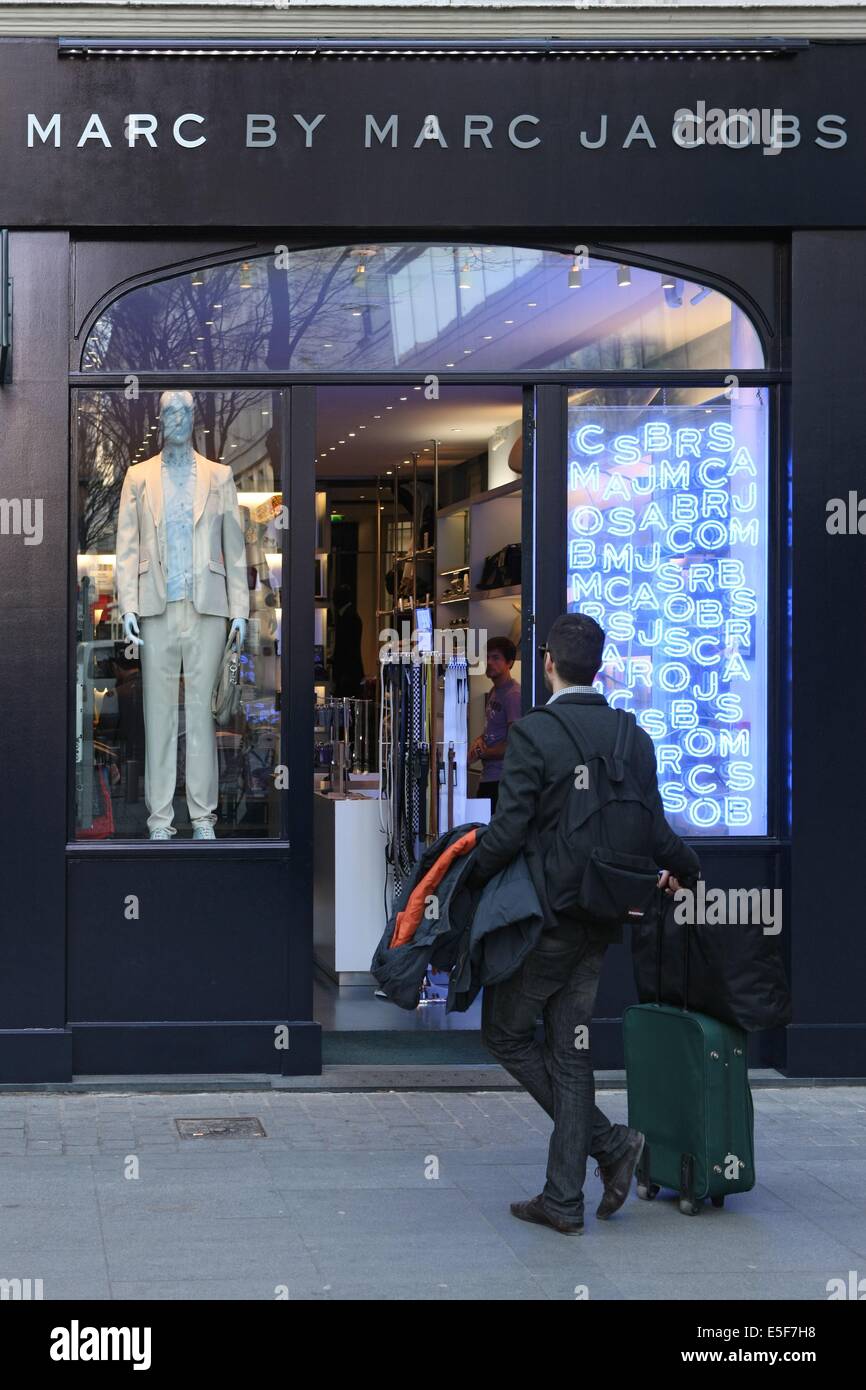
x,y
421,307
180,526
667,550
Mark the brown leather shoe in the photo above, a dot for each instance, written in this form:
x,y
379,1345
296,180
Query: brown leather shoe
x,y
617,1176
533,1210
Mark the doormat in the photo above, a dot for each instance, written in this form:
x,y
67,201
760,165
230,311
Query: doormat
x,y
391,1045
233,1127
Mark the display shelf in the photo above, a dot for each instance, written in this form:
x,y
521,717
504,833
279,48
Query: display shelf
x,y
484,595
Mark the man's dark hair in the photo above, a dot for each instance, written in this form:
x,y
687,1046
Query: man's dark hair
x,y
575,643
505,646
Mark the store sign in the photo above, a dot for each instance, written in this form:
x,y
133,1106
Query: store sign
x,y
667,550
431,142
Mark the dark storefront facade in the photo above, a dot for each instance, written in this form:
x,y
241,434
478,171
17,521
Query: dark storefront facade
x,y
133,186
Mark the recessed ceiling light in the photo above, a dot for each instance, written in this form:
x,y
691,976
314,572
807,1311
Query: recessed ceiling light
x,y
488,337
532,304
509,320
377,417
467,352
341,441
404,398
416,388
362,427
389,407
389,471
449,364
351,434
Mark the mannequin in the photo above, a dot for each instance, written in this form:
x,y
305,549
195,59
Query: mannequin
x,y
181,573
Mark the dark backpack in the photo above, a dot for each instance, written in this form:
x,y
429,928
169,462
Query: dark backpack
x,y
600,864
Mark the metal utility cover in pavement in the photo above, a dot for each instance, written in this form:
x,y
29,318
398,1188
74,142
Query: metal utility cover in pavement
x,y
232,1127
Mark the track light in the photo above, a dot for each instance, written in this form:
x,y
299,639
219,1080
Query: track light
x,y
623,276
574,275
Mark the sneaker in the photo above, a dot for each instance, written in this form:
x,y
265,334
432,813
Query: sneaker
x,y
204,831
617,1176
533,1210
161,834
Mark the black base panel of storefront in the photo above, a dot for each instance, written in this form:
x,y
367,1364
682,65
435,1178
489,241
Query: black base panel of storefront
x,y
174,1048
171,1049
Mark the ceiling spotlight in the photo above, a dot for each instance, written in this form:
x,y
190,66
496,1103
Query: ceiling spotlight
x,y
574,275
623,276
668,281
246,282
464,282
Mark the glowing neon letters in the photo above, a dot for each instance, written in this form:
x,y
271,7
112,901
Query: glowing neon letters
x,y
666,548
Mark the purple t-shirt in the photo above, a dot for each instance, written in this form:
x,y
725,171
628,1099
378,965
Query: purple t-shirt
x,y
501,708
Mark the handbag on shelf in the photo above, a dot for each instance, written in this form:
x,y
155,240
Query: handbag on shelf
x,y
502,569
226,697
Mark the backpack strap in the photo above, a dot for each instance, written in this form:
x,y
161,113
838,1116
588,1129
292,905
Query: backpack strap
x,y
614,762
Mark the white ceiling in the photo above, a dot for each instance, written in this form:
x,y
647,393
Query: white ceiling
x,y
462,419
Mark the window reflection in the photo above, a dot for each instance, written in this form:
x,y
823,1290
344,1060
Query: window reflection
x,y
421,307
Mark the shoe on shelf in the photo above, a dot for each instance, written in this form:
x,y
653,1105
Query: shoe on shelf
x,y
203,831
533,1210
161,834
617,1176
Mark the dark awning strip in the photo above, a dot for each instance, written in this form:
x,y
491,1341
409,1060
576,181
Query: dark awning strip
x,y
724,49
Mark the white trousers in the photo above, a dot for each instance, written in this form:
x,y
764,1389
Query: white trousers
x,y
180,639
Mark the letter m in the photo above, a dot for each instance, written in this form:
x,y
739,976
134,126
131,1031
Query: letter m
x,y
10,1288
381,132
745,905
34,128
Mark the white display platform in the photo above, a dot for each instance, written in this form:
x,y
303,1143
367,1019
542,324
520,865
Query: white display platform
x,y
349,883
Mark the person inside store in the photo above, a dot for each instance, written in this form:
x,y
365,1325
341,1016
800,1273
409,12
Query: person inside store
x,y
501,709
559,978
347,666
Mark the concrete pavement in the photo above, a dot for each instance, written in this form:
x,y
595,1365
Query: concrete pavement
x,y
402,1194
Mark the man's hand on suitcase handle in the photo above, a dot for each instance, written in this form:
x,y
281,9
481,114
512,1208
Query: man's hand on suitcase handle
x,y
670,884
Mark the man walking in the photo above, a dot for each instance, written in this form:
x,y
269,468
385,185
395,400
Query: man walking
x,y
560,977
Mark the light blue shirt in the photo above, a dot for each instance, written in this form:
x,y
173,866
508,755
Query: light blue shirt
x,y
178,491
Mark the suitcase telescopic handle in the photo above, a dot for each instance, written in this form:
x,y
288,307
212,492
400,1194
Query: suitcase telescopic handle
x,y
662,900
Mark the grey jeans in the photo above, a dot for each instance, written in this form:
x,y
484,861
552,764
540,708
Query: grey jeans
x,y
559,979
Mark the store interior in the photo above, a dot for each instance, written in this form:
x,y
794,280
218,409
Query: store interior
x,y
419,512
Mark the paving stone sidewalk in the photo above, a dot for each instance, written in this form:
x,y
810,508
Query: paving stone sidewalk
x,y
395,1195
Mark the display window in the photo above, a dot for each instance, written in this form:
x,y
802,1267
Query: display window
x,y
178,614
667,548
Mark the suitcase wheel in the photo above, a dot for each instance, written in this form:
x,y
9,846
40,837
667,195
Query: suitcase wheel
x,y
717,1201
647,1191
688,1207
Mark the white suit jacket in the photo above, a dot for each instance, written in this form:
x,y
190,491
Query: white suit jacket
x,y
218,551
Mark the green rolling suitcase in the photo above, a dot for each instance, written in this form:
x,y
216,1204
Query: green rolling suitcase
x,y
688,1092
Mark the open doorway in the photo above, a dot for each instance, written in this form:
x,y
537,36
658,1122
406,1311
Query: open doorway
x,y
418,568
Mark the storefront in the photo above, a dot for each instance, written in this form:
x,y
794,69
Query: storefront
x,y
635,277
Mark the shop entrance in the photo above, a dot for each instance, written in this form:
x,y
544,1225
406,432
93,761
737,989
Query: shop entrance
x,y
419,566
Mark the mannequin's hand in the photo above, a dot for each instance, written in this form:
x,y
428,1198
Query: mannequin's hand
x,y
239,629
130,629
